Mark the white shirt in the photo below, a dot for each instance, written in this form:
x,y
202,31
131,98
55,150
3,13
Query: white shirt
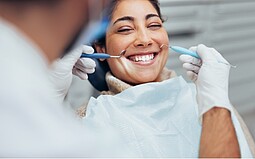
x,y
32,122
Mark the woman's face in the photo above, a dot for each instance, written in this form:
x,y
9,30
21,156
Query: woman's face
x,y
136,27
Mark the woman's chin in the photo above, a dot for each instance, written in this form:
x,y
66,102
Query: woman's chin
x,y
144,78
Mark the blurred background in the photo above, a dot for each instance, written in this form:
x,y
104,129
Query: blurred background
x,y
226,25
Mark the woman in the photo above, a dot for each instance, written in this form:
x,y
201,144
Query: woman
x,y
156,112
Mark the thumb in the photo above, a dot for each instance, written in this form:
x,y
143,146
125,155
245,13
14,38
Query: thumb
x,y
73,56
87,49
206,54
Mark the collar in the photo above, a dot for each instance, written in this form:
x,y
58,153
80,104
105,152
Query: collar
x,y
116,86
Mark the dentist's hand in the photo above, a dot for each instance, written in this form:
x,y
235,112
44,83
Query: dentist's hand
x,y
210,76
62,69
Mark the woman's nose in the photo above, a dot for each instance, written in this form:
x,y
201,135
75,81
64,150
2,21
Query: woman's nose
x,y
143,39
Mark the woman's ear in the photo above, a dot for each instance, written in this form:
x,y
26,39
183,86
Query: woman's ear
x,y
100,49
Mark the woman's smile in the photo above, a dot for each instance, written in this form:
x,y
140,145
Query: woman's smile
x,y
143,58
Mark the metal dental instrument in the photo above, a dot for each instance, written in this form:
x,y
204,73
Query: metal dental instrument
x,y
185,51
102,55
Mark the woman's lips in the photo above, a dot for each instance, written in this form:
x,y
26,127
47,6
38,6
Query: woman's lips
x,y
142,59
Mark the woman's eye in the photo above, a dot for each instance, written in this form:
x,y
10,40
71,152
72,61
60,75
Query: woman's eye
x,y
124,30
155,26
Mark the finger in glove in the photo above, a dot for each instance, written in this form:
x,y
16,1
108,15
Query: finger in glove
x,y
191,75
86,62
87,49
84,69
191,67
189,59
80,74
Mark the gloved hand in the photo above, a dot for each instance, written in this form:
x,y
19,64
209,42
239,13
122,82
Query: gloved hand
x,y
210,76
62,69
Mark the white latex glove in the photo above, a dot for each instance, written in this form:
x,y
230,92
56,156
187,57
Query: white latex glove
x,y
210,76
62,69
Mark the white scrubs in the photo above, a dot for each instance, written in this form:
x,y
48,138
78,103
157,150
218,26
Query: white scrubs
x,y
32,122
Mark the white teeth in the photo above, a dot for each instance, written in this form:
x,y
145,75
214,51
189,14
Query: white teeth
x,y
143,58
147,57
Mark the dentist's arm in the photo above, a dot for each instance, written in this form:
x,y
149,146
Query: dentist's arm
x,y
218,138
62,70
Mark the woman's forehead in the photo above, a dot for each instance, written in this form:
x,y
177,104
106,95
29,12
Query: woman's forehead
x,y
133,8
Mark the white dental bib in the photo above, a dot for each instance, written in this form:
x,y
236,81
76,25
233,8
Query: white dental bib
x,y
157,119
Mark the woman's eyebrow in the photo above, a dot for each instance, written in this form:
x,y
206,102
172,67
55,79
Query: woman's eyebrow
x,y
125,18
148,16
129,18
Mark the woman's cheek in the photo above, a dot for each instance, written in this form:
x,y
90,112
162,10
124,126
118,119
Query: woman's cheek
x,y
165,39
116,45
161,38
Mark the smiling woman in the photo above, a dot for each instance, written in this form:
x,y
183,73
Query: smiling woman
x,y
156,113
141,33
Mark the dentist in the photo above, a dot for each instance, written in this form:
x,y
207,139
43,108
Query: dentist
x,y
33,119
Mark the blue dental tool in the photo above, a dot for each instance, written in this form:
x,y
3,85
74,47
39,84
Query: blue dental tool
x,y
98,56
182,50
185,51
102,55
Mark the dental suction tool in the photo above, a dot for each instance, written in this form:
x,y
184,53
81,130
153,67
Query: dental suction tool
x,y
185,51
102,55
